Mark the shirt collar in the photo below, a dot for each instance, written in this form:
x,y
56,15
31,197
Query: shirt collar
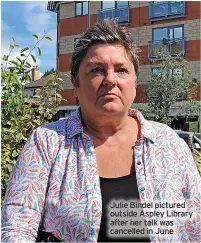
x,y
148,128
74,125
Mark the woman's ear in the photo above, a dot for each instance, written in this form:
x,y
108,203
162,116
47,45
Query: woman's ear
x,y
73,81
75,92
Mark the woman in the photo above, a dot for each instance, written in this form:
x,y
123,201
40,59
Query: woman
x,y
71,169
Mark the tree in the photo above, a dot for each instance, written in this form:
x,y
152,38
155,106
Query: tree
x,y
20,113
169,81
51,71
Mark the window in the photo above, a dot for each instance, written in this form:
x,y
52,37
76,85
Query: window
x,y
122,3
108,4
85,8
113,4
176,33
159,34
159,10
119,10
175,71
170,33
29,92
168,40
81,8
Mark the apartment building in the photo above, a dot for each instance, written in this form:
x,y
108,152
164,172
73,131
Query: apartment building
x,y
151,23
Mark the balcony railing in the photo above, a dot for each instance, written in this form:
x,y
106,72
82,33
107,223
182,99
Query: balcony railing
x,y
122,14
174,48
166,10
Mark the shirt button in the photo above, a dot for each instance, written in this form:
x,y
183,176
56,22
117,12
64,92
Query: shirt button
x,y
138,163
142,189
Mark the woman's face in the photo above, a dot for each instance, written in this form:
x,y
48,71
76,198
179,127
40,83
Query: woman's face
x,y
106,80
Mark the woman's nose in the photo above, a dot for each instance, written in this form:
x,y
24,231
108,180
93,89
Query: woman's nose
x,y
110,79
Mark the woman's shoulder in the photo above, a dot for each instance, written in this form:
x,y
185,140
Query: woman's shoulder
x,y
64,128
154,130
56,126
67,126
51,130
163,133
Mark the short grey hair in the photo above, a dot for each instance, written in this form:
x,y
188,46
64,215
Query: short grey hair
x,y
106,32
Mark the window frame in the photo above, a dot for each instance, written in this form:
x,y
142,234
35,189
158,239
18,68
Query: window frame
x,y
116,7
58,14
81,9
58,46
172,70
168,32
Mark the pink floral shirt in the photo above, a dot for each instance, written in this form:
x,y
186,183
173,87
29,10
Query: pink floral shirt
x,y
55,182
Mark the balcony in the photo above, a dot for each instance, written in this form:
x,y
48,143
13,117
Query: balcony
x,y
122,14
171,47
166,10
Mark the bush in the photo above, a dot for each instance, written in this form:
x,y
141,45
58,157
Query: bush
x,y
20,113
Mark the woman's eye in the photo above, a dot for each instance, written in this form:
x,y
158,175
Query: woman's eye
x,y
123,70
97,70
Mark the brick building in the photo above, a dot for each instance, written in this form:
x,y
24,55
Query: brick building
x,y
150,23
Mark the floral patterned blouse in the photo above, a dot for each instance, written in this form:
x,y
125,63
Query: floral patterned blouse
x,y
55,182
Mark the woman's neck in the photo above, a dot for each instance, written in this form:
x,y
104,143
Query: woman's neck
x,y
108,129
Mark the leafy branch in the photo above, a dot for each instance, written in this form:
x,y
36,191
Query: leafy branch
x,y
22,113
171,80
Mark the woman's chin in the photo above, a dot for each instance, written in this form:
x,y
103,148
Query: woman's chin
x,y
112,108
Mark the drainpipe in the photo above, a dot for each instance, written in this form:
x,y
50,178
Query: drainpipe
x,y
89,14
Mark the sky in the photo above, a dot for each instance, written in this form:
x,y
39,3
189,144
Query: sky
x,y
21,20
